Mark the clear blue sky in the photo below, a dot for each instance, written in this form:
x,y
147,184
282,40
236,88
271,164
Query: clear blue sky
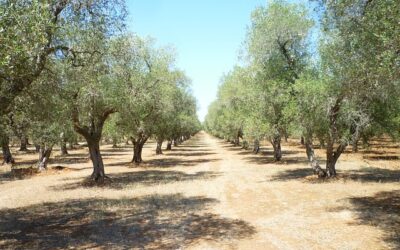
x,y
207,35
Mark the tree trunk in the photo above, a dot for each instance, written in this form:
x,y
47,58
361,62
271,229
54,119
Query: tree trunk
x,y
7,156
63,144
276,144
136,158
256,147
37,148
64,150
24,143
175,143
313,161
137,150
333,155
159,145
330,164
141,149
98,173
302,140
169,145
44,155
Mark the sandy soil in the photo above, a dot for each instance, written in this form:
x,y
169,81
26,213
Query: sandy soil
x,y
205,194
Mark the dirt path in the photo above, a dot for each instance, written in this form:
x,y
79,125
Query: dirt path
x,y
204,194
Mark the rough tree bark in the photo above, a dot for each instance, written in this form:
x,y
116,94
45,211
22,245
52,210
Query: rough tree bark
x,y
7,156
311,158
332,155
44,156
24,143
98,173
64,150
138,147
276,144
169,145
159,146
63,144
92,135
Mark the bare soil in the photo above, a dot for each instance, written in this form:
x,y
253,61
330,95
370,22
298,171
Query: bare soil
x,y
204,194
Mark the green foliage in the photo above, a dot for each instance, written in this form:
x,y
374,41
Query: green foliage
x,y
352,91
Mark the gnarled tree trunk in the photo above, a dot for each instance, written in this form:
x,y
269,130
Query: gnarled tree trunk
x,y
7,156
92,134
98,173
44,156
137,158
169,145
333,155
24,143
137,148
159,145
276,144
311,158
64,150
63,145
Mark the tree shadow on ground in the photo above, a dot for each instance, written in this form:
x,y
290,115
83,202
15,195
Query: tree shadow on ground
x,y
146,177
117,150
177,153
70,159
182,149
381,210
167,162
292,174
148,222
191,146
378,175
16,152
373,175
381,157
265,158
173,162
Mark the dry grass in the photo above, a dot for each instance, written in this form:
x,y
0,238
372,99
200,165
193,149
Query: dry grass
x,y
205,194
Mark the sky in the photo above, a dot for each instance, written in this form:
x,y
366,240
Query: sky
x,y
207,36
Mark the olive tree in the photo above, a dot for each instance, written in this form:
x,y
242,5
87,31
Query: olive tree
x,y
278,47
